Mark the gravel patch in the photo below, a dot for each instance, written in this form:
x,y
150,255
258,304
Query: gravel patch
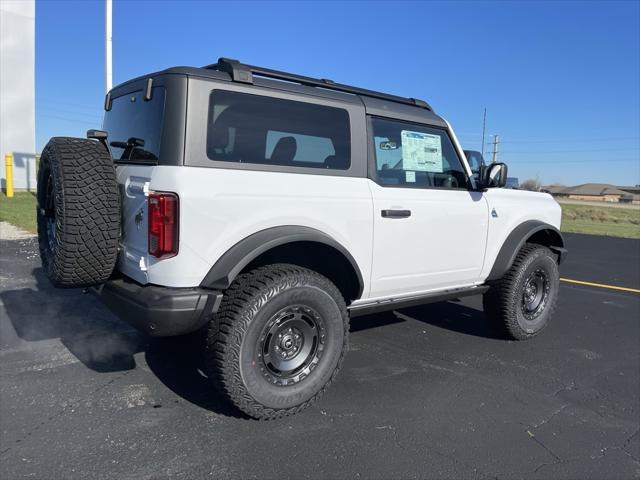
x,y
10,232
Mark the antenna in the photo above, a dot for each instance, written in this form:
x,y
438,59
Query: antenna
x,y
484,127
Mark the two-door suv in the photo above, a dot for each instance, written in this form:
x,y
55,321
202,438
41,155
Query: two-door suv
x,y
264,209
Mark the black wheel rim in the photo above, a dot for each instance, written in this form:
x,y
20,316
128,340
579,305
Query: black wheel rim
x,y
291,345
535,294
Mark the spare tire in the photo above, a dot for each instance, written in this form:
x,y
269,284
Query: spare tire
x,y
78,212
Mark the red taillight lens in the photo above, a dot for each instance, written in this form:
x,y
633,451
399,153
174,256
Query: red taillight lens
x,y
163,224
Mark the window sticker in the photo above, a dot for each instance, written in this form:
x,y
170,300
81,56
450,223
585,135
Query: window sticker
x,y
410,176
421,152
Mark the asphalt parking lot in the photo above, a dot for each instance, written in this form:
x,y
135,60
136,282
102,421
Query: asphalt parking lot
x,y
424,392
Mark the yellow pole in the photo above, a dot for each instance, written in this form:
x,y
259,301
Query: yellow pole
x,y
8,168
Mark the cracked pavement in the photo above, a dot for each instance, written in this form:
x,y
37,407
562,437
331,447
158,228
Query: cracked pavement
x,y
424,392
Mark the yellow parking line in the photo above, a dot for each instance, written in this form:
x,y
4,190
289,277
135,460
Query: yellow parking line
x,y
600,285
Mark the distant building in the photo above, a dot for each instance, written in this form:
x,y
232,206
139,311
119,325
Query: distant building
x,y
594,192
633,190
17,90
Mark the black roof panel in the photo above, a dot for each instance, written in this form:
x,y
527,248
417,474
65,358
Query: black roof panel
x,y
375,103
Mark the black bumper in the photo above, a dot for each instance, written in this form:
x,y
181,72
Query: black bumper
x,y
159,311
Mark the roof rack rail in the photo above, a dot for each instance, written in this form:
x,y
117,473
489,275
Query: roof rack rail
x,y
242,73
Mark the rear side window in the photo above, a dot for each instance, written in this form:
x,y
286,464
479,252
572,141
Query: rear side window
x,y
246,128
131,117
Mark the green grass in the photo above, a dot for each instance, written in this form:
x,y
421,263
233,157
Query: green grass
x,y
614,222
19,210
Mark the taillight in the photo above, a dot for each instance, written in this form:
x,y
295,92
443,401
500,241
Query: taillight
x,y
163,224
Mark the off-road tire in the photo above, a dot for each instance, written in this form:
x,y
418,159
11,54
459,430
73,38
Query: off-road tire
x,y
504,303
78,212
233,355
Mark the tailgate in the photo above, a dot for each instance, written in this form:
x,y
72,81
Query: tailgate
x,y
133,259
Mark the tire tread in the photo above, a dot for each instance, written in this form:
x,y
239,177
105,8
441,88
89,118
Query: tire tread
x,y
87,213
246,296
499,302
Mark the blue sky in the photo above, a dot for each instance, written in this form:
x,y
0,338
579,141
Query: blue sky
x,y
560,80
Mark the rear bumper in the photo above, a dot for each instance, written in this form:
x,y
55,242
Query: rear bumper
x,y
159,311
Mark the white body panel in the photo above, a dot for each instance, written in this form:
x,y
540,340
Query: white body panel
x,y
451,239
134,183
219,208
441,245
512,208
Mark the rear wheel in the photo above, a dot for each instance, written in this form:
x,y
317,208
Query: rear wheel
x,y
521,303
78,212
278,340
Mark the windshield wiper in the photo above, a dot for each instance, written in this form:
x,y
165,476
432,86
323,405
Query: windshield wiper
x,y
132,142
133,151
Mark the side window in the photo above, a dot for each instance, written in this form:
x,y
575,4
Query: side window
x,y
309,148
261,130
415,156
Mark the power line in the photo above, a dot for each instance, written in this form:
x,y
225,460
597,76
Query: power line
x,y
601,139
468,134
81,115
574,151
588,160
86,106
72,120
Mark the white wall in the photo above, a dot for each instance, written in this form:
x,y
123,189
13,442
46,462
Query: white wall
x,y
17,89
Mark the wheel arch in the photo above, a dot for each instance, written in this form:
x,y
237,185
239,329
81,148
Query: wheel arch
x,y
532,231
299,245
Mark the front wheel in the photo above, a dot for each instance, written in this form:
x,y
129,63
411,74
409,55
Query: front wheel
x,y
278,340
523,300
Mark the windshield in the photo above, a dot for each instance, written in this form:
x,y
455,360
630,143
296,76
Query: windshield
x,y
135,126
474,159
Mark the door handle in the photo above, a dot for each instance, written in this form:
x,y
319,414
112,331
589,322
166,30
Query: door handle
x,y
396,213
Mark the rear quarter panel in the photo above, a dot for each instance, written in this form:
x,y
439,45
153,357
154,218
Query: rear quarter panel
x,y
219,208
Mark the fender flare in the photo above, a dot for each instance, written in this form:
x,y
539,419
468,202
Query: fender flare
x,y
517,238
231,263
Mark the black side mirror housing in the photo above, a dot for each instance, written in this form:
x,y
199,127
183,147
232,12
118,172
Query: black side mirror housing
x,y
493,175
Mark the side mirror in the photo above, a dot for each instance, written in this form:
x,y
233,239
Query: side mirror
x,y
493,175
97,134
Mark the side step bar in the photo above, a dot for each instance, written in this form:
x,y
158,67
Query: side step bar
x,y
397,303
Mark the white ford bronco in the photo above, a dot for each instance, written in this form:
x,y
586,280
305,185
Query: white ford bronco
x,y
263,209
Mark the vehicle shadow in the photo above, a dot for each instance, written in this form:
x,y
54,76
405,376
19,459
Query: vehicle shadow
x,y
179,364
452,315
105,344
90,333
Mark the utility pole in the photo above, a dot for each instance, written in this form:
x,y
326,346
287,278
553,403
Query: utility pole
x,y
484,126
108,78
496,142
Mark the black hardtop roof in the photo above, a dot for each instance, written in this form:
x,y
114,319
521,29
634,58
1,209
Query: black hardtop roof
x,y
376,103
